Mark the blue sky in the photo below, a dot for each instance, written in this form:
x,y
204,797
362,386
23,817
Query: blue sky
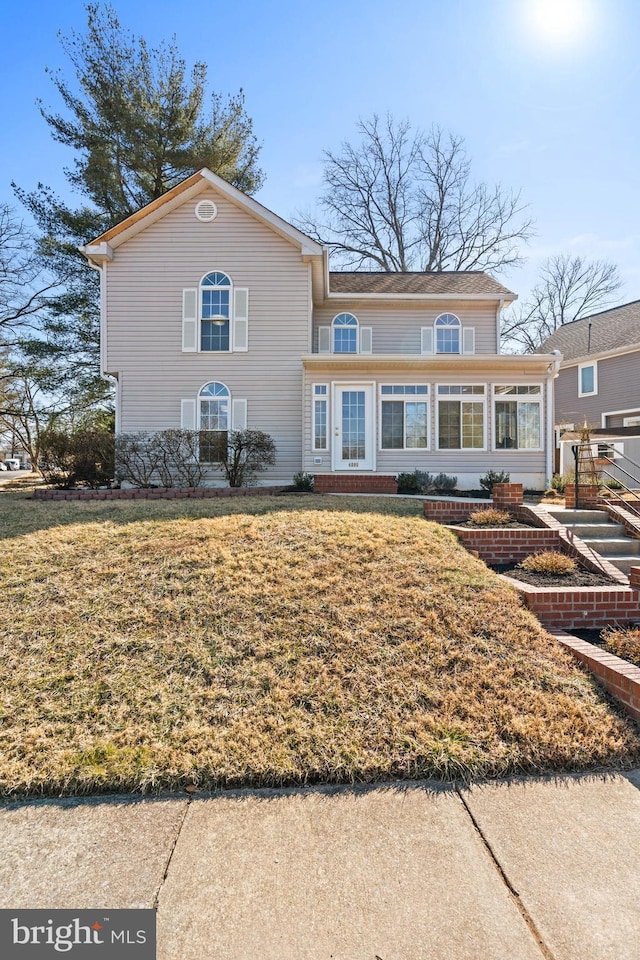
x,y
546,97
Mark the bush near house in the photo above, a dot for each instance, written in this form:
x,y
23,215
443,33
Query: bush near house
x,y
489,518
419,482
492,477
549,562
84,457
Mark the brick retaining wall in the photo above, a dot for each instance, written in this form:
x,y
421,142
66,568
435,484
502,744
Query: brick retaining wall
x,y
575,608
156,493
620,678
353,483
507,544
452,511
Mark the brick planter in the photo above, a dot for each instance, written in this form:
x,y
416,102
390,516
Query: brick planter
x,y
575,608
506,544
620,678
353,483
587,496
507,495
452,511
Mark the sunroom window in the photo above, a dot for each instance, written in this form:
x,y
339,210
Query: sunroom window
x,y
215,312
518,419
461,417
447,333
404,417
214,402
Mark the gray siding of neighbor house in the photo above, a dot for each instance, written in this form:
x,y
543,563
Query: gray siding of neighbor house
x,y
524,466
396,327
618,389
144,288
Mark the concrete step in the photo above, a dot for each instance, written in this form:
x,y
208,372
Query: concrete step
x,y
579,516
601,531
625,563
622,546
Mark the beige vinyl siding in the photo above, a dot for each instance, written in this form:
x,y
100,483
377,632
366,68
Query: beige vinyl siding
x,y
468,465
396,327
144,302
618,389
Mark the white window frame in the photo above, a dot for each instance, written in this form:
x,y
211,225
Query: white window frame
x,y
517,398
449,326
631,421
462,398
585,366
199,401
404,398
228,288
319,397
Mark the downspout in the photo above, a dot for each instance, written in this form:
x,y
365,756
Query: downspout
x,y
552,373
498,324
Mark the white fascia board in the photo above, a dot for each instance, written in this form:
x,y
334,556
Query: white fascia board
x,y
489,365
97,253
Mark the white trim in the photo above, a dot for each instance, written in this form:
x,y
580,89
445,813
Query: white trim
x,y
616,413
636,423
403,398
462,398
437,297
189,415
584,366
315,398
602,355
367,465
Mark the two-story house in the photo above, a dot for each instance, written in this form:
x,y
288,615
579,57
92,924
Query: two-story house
x,y
599,377
219,315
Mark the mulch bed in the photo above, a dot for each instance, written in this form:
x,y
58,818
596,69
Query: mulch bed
x,y
581,578
511,525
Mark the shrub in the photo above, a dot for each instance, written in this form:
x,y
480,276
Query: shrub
x,y
549,562
489,518
416,482
444,483
85,457
492,477
303,482
613,484
245,454
624,642
560,481
138,458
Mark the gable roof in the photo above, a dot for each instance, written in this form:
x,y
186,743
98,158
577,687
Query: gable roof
x,y
102,247
447,283
601,333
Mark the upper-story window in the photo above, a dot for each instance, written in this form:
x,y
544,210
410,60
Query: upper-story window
x,y
345,333
447,333
215,311
587,379
215,315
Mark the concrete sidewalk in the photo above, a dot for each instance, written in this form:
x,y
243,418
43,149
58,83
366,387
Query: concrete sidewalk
x,y
518,870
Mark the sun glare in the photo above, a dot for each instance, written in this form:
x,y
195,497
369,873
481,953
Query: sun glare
x,y
561,22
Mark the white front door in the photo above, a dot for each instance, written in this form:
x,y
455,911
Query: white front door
x,y
353,427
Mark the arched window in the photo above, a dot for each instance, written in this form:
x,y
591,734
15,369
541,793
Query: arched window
x,y
447,333
215,311
214,403
345,333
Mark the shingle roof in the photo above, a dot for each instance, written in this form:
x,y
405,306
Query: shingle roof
x,y
451,282
610,330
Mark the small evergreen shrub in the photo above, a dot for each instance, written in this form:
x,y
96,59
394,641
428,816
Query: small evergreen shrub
x,y
549,562
559,482
419,482
303,482
623,642
489,518
492,477
444,483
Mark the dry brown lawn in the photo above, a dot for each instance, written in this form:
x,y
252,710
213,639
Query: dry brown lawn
x,y
274,640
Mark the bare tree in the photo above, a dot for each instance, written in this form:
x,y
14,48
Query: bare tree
x,y
400,200
23,284
570,287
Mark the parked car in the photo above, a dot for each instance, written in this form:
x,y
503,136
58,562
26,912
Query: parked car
x,y
12,463
3,465
24,465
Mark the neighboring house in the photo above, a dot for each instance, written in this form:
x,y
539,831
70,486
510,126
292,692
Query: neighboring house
x,y
615,452
219,315
599,378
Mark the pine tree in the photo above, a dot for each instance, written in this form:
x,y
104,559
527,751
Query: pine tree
x,y
138,124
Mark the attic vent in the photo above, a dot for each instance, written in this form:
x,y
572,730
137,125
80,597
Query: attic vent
x,y
206,210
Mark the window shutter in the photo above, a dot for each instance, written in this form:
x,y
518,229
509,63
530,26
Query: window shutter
x,y
238,414
241,319
366,340
426,340
188,414
324,339
468,340
189,321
